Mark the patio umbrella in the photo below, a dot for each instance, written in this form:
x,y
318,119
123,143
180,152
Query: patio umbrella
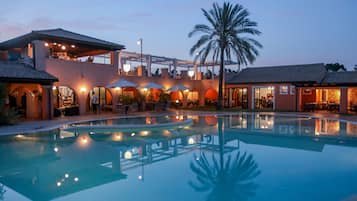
x,y
178,88
122,83
153,85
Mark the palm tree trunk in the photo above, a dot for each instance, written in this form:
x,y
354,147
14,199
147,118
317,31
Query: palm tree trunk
x,y
220,82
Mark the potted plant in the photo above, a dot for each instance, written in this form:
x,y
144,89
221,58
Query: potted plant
x,y
164,100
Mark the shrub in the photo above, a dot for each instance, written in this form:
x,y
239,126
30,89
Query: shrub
x,y
8,116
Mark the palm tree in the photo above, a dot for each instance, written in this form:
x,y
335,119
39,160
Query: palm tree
x,y
335,67
226,35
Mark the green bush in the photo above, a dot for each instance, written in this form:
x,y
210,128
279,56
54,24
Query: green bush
x,y
164,98
126,100
7,116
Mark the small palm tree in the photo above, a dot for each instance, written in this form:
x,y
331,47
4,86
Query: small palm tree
x,y
226,35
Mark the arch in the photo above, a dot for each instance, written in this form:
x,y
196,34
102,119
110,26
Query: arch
x,y
64,96
211,97
26,101
176,95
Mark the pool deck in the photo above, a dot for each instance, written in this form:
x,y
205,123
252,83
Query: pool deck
x,y
44,125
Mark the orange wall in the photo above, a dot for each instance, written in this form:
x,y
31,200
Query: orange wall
x,y
282,102
82,74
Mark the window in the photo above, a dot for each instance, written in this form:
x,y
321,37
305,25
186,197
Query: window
x,y
264,97
284,90
307,92
292,90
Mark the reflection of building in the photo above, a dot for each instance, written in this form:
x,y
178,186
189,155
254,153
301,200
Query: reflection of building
x,y
54,165
290,132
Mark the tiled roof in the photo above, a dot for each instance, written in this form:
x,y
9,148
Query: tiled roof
x,y
348,77
61,35
18,72
307,73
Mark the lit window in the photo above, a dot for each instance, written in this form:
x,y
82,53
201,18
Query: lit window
x,y
292,90
284,90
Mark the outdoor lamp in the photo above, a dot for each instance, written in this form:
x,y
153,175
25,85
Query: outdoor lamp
x,y
83,89
191,73
126,68
128,155
191,140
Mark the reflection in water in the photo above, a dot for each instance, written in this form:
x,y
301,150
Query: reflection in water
x,y
287,125
232,181
2,192
52,165
327,127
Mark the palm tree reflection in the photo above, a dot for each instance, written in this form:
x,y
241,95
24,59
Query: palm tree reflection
x,y
2,192
229,180
232,181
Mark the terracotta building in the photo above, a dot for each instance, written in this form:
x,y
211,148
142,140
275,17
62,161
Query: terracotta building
x,y
58,71
306,87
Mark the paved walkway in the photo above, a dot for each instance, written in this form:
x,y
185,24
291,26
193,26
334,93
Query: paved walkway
x,y
38,126
44,125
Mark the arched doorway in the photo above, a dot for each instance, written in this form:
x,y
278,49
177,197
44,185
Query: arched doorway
x,y
65,101
211,97
177,98
64,96
27,101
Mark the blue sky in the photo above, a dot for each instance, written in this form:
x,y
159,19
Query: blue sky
x,y
294,31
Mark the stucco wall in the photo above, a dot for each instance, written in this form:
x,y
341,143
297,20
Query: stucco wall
x,y
77,75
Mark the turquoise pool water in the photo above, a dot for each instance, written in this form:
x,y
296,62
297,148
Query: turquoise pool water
x,y
237,157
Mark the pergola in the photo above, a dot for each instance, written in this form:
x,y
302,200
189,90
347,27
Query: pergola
x,y
173,63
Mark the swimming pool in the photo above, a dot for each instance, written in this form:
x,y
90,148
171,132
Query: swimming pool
x,y
229,157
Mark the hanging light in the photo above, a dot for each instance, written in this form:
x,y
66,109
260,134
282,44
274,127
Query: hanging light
x,y
191,73
126,67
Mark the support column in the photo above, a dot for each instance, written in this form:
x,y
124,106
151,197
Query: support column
x,y
47,102
115,59
115,98
201,97
175,68
82,101
298,95
40,53
230,97
343,100
148,64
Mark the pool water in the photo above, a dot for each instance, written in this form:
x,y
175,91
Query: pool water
x,y
236,157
